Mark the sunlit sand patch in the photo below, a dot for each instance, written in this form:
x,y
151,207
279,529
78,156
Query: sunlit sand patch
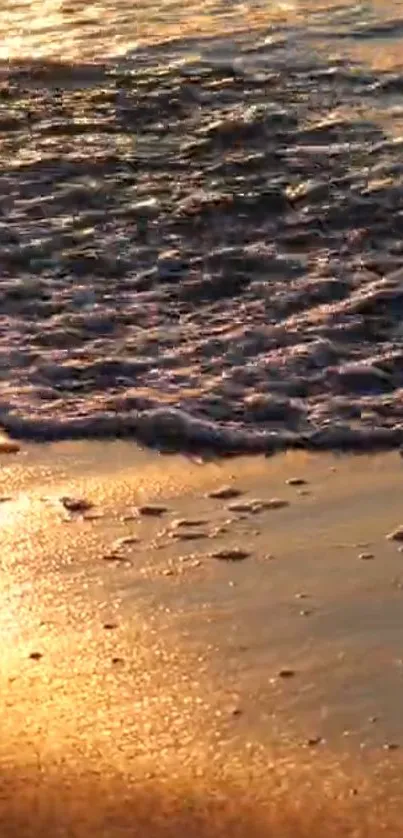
x,y
141,711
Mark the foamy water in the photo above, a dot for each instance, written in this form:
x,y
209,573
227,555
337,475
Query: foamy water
x,y
201,223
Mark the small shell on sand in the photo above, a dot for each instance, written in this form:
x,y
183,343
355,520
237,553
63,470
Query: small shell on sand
x,y
9,446
152,509
225,493
231,554
396,535
76,504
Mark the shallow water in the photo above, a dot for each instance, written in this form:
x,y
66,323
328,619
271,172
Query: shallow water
x,y
201,223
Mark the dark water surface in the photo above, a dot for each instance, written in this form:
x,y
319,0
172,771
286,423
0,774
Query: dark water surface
x,y
201,217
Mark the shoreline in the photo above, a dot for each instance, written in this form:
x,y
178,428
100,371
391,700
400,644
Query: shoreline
x,y
170,430
137,649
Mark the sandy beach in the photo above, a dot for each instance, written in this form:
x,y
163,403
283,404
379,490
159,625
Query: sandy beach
x,y
205,648
201,224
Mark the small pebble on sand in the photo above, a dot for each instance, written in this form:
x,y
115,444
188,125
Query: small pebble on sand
x,y
391,746
35,656
189,536
110,626
251,506
216,531
286,673
9,446
113,557
126,541
5,498
257,505
296,481
225,493
188,522
274,503
76,504
396,535
152,509
366,556
231,554
313,741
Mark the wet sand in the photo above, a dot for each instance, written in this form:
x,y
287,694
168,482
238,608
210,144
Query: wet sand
x,y
156,683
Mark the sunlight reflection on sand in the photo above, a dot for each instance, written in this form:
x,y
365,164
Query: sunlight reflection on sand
x,y
71,31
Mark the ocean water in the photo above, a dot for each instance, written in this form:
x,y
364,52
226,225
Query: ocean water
x,y
201,219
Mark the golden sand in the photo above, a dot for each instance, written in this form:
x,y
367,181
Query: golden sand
x,y
143,679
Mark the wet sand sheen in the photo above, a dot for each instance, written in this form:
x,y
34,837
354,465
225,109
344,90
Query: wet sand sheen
x,y
168,683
